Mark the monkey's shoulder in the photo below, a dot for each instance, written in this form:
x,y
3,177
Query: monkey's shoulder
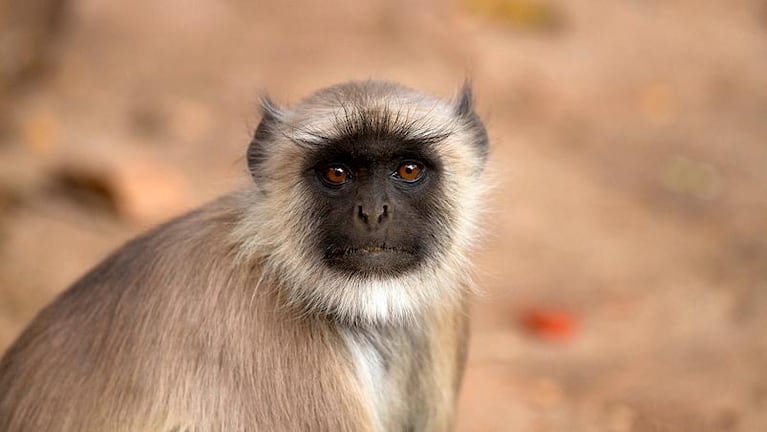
x,y
151,273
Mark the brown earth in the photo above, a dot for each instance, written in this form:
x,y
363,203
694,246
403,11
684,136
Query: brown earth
x,y
629,149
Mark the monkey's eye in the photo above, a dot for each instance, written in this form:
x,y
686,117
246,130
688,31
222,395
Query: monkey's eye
x,y
336,175
409,171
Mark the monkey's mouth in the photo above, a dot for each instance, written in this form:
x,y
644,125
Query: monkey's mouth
x,y
367,250
372,259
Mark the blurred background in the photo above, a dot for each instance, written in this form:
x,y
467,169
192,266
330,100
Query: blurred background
x,y
625,269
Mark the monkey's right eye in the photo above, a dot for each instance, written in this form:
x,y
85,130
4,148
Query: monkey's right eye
x,y
336,175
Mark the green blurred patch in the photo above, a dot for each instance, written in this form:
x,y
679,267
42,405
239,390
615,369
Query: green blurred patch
x,y
690,177
526,14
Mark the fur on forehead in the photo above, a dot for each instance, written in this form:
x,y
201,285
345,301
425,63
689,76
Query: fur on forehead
x,y
276,229
377,109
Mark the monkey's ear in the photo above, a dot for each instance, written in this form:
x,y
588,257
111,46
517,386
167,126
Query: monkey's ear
x,y
464,109
464,104
270,117
258,149
269,110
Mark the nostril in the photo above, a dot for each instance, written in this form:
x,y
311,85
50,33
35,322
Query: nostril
x,y
383,214
361,214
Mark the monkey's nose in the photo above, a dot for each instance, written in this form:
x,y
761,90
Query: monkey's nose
x,y
373,216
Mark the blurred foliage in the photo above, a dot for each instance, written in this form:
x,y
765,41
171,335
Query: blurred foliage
x,y
527,14
689,177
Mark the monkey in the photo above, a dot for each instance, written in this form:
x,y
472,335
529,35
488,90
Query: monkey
x,y
329,293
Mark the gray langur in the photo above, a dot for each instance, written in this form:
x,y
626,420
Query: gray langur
x,y
328,295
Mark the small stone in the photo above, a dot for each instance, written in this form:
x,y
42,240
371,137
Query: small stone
x,y
149,192
550,324
141,191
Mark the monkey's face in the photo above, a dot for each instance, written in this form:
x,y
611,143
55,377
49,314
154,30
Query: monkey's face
x,y
366,200
378,204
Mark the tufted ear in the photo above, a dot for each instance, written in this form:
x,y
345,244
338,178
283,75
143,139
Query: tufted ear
x,y
270,120
464,109
464,105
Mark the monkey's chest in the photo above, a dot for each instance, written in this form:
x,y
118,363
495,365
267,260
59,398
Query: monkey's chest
x,y
390,387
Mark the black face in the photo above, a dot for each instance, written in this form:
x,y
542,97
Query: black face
x,y
376,204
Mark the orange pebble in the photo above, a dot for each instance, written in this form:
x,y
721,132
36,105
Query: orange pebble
x,y
549,324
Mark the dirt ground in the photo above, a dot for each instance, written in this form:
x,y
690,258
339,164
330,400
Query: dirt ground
x,y
629,151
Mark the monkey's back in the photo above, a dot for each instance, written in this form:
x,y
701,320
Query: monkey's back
x,y
160,337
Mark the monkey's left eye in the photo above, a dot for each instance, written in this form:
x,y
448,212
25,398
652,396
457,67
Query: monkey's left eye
x,y
336,175
409,171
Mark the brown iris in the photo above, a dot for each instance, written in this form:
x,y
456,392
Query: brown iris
x,y
336,175
410,171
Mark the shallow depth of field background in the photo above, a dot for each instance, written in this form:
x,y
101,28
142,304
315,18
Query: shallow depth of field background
x,y
625,265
